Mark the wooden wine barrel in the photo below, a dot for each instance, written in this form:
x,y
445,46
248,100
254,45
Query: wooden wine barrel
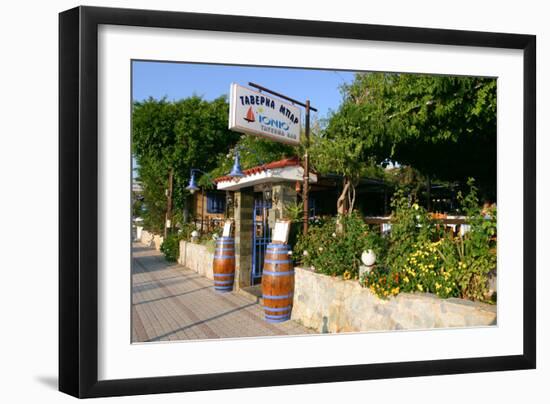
x,y
224,264
277,283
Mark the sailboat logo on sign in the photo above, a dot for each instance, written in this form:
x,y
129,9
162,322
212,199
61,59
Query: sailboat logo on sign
x,y
250,116
258,114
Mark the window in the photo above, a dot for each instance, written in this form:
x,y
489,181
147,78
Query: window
x,y
215,203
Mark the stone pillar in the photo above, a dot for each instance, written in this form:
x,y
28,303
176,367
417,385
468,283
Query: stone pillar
x,y
243,210
283,194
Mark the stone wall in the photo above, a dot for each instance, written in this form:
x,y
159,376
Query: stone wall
x,y
151,239
157,241
331,305
147,238
197,258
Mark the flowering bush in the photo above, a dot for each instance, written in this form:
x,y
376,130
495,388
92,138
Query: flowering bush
x,y
210,235
424,270
417,256
185,230
411,226
421,258
474,254
335,254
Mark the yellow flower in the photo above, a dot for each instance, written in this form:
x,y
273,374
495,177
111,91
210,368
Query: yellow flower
x,y
406,279
447,290
419,287
395,290
437,286
347,275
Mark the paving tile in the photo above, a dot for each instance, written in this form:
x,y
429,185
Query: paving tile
x,y
171,302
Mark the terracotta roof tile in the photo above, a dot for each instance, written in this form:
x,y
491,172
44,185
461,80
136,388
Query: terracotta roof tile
x,y
289,162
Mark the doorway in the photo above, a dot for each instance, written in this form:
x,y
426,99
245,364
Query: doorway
x,y
261,237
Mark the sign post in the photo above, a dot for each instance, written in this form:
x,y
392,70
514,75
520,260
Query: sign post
x,y
255,113
305,192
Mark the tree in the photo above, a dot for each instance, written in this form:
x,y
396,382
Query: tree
x,y
152,145
351,145
444,126
343,156
178,136
253,152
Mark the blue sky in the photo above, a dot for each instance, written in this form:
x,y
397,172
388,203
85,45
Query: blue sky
x,y
180,80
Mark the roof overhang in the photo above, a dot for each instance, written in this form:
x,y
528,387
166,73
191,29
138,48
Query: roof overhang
x,y
271,175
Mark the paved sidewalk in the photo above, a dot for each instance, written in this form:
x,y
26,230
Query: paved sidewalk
x,y
173,303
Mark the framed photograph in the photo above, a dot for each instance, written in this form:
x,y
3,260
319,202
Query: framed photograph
x,y
400,160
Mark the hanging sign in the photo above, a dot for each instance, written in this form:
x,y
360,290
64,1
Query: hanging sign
x,y
263,115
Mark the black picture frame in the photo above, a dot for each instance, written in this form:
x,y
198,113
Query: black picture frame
x,y
78,201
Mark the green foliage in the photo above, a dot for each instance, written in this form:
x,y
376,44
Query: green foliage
x,y
335,254
345,155
210,245
212,234
424,121
185,134
185,230
138,207
170,247
154,198
475,253
410,225
410,261
422,259
407,178
422,270
417,256
253,152
294,212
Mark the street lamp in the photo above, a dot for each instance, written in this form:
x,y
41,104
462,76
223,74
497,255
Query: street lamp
x,y
192,188
236,171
